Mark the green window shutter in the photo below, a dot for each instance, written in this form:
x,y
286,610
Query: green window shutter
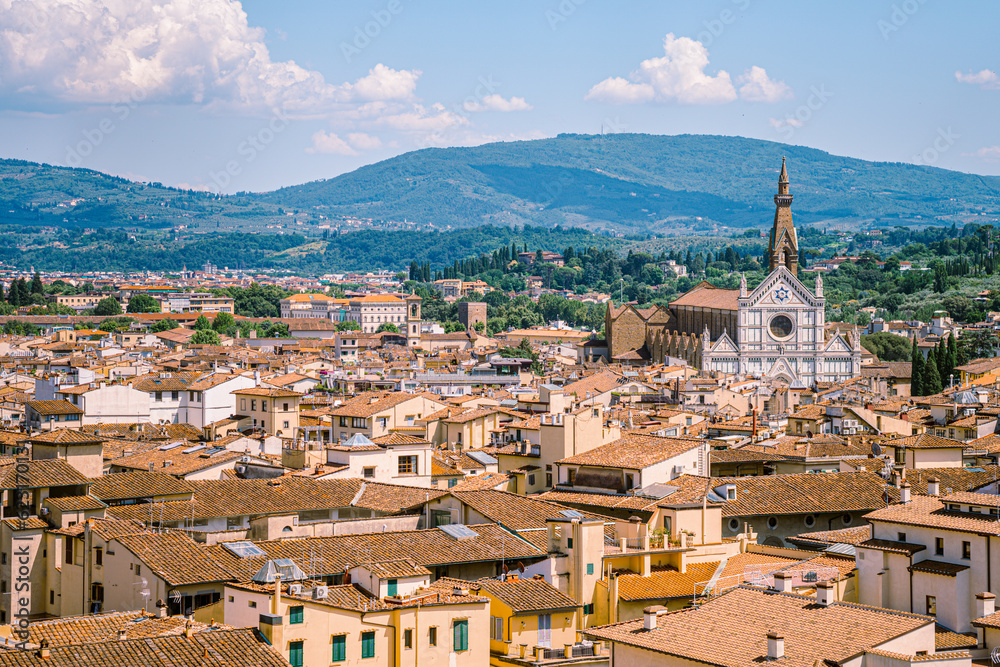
x,y
295,654
461,635
368,644
296,614
590,568
339,648
393,587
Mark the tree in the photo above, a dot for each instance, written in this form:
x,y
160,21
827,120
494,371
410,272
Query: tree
x,y
916,370
887,346
932,378
143,303
349,325
166,324
205,337
952,352
387,326
224,322
108,307
202,323
36,284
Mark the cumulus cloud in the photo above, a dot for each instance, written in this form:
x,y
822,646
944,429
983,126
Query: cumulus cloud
x,y
497,103
791,121
680,77
329,143
985,78
758,87
169,51
988,153
364,142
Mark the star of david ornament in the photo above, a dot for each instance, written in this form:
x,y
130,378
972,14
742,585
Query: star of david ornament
x,y
781,295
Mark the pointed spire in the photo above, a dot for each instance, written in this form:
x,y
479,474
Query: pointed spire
x,y
819,284
743,285
783,176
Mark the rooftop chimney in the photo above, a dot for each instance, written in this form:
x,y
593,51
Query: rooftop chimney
x,y
904,492
775,646
161,608
649,615
985,604
933,486
824,593
121,634
783,582
276,598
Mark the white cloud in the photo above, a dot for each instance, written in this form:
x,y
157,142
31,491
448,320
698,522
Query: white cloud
x,y
364,142
988,153
329,143
985,78
497,103
421,119
173,51
758,87
791,121
679,76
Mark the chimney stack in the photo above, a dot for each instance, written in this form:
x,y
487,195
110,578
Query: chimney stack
x,y
985,604
276,598
775,646
824,593
649,615
904,492
783,582
161,608
933,486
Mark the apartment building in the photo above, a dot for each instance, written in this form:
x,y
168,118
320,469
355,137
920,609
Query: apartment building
x,y
274,411
316,306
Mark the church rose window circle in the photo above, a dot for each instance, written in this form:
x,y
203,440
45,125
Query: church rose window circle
x,y
781,326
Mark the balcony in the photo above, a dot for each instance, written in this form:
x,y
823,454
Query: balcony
x,y
637,545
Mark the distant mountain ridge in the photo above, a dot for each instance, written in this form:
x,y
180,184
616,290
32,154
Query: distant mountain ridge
x,y
637,183
623,183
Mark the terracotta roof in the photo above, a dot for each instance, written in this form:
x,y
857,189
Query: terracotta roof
x,y
707,295
41,473
522,595
924,441
139,484
221,647
268,392
76,630
745,615
634,451
481,482
930,511
175,557
74,503
60,407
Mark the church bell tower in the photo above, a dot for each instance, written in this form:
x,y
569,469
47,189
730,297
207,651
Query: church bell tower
x,y
784,246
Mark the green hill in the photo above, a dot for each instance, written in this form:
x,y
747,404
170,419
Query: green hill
x,y
636,183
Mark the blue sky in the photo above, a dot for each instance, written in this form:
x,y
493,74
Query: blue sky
x,y
254,96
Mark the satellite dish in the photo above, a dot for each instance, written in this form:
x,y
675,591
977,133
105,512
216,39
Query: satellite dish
x,y
876,449
995,655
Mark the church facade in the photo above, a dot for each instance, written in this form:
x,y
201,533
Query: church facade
x,y
776,331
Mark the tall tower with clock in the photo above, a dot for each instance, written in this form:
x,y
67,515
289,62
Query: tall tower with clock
x,y
781,330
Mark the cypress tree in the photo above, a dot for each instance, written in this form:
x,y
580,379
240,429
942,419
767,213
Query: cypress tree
x,y
36,284
942,360
932,378
952,352
916,370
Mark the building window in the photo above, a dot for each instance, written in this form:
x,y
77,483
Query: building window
x,y
772,523
174,396
407,465
900,537
295,654
531,479
368,644
98,556
296,614
252,604
158,396
253,404
284,407
393,586
496,628
938,546
407,638
369,472
243,404
931,605
590,568
432,636
462,635
339,644
966,550
588,608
